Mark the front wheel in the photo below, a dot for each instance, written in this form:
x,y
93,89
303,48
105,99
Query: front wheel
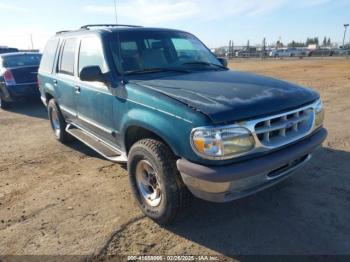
x,y
155,181
58,124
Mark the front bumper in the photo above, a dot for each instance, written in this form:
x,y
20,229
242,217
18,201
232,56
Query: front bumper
x,y
227,183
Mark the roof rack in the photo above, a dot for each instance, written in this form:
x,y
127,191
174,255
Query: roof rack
x,y
107,25
61,32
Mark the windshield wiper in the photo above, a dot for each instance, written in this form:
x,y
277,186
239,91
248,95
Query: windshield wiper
x,y
205,63
156,70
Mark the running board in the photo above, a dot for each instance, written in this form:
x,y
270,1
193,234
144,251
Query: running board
x,y
107,151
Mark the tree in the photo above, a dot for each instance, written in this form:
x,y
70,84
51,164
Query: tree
x,y
316,40
312,41
324,43
296,44
329,43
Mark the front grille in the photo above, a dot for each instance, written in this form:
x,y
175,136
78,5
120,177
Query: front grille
x,y
284,128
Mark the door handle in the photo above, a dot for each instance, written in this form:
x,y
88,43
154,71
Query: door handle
x,y
77,89
55,82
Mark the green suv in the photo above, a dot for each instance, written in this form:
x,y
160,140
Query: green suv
x,y
160,101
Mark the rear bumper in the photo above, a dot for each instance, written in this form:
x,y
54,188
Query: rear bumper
x,y
13,93
226,183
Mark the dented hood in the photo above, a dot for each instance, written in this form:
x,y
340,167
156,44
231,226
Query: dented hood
x,y
226,96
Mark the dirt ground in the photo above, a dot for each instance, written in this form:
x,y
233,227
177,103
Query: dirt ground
x,y
58,200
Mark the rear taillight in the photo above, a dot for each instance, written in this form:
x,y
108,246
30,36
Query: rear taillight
x,y
8,77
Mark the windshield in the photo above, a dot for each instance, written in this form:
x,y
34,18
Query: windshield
x,y
152,51
22,60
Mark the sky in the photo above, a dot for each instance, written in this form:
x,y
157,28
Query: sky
x,y
215,22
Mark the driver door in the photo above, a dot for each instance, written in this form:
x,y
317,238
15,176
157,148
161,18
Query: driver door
x,y
94,100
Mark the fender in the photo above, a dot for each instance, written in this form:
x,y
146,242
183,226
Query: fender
x,y
167,128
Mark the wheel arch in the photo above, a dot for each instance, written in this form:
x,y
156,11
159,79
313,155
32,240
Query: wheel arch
x,y
137,132
48,96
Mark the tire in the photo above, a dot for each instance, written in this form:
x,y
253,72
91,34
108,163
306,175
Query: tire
x,y
4,104
170,195
57,122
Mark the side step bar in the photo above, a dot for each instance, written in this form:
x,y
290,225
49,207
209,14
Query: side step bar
x,y
107,151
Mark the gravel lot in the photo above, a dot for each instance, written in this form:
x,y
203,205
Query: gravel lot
x,y
57,199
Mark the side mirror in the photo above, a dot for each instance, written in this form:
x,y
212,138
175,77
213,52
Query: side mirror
x,y
223,61
92,74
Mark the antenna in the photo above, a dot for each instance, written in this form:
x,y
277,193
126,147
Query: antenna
x,y
31,41
119,44
115,11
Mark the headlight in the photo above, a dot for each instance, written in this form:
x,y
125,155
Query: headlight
x,y
319,113
222,143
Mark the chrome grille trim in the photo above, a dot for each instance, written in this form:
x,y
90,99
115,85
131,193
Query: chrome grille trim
x,y
284,129
301,121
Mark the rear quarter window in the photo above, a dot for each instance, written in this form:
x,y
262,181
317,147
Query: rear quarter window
x,y
49,54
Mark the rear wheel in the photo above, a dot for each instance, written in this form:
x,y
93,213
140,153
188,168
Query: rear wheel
x,y
155,181
4,104
58,124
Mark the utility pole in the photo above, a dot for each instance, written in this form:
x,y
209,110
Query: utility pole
x,y
229,50
345,28
263,51
232,48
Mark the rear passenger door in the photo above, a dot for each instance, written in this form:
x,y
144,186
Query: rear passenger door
x,y
65,80
94,100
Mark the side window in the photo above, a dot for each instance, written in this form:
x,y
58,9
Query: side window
x,y
130,55
91,54
46,64
68,57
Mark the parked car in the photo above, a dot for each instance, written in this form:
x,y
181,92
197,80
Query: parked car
x,y
160,101
18,77
321,52
289,52
4,50
247,52
278,53
341,52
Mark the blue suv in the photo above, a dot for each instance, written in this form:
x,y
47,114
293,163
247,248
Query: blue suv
x,y
160,101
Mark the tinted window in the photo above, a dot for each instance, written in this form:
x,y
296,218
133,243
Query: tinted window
x,y
8,50
48,58
186,47
91,54
68,57
144,50
129,46
21,60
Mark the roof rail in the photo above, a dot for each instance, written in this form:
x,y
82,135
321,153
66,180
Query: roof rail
x,y
107,25
63,31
